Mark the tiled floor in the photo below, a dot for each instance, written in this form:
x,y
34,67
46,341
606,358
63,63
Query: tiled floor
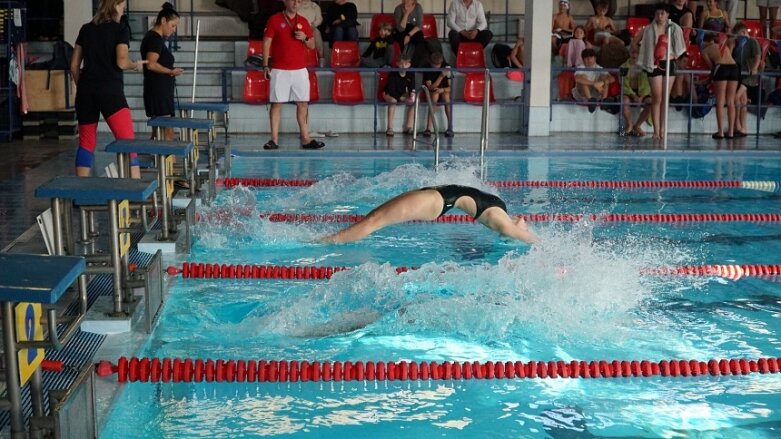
x,y
28,164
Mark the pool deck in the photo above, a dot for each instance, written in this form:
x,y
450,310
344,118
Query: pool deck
x,y
28,164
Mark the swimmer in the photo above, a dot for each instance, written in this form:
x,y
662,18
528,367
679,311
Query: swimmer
x,y
429,203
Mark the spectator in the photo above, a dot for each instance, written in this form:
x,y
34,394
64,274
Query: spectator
x,y
466,20
591,85
637,91
611,6
614,50
563,26
102,44
649,43
516,55
438,84
681,90
341,21
748,56
768,10
712,18
725,76
380,50
680,14
399,88
408,16
732,10
599,26
311,11
159,74
575,47
287,38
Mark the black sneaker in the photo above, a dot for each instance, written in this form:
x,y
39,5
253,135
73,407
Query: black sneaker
x,y
592,105
314,144
271,145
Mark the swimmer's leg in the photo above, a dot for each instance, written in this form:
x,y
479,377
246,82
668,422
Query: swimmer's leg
x,y
424,205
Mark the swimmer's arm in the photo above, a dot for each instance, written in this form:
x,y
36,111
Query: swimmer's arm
x,y
512,231
501,223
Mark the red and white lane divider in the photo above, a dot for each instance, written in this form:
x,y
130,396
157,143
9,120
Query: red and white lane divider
x,y
189,370
227,215
766,186
194,270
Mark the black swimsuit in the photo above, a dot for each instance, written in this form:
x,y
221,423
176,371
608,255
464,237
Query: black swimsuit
x,y
452,192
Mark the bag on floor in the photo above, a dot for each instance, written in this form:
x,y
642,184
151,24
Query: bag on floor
x,y
705,100
499,55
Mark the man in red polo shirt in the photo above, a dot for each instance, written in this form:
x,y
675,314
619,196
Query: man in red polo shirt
x,y
287,38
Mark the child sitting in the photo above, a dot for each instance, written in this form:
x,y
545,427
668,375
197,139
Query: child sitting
x,y
575,46
380,50
591,85
400,88
438,84
637,90
600,26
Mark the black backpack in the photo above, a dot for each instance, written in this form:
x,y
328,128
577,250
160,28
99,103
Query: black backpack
x,y
61,58
499,55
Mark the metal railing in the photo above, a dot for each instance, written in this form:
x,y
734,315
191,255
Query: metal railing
x,y
432,113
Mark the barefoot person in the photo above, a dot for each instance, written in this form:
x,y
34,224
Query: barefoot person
x,y
429,203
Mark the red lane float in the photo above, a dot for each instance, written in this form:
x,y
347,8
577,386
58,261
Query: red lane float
x,y
195,270
188,370
548,217
597,184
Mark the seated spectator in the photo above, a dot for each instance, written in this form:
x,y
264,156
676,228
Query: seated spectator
x,y
575,47
591,86
563,26
712,18
600,26
466,20
311,11
748,56
438,84
380,50
516,56
341,21
680,14
681,90
408,16
400,88
637,90
614,50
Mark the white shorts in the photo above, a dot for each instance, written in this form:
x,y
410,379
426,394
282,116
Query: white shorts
x,y
289,85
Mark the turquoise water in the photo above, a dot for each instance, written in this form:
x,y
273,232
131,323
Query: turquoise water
x,y
580,296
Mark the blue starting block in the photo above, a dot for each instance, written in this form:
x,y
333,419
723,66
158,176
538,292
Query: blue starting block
x,y
190,127
161,150
209,107
114,192
27,282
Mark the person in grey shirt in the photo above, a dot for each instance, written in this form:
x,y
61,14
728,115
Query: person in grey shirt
x,y
466,20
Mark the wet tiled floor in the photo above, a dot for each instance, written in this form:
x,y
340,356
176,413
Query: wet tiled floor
x,y
28,164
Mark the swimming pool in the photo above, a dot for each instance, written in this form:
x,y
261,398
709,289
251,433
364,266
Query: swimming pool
x,y
582,295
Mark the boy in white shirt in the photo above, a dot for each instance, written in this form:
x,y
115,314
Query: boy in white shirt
x,y
591,85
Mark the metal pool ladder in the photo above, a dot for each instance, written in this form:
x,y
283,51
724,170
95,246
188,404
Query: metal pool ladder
x,y
435,143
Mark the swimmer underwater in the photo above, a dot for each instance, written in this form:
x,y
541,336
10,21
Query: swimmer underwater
x,y
429,203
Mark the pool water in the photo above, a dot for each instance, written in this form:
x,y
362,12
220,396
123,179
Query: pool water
x,y
475,297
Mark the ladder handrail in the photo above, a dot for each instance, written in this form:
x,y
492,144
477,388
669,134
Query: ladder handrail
x,y
435,143
484,121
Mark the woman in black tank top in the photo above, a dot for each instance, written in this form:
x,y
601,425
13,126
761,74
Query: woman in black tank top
x,y
429,203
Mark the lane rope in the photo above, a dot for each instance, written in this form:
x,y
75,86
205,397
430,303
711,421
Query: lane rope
x,y
227,215
765,186
199,270
187,370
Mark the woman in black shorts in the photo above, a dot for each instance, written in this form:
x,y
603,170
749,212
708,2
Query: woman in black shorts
x,y
102,45
159,74
429,203
725,75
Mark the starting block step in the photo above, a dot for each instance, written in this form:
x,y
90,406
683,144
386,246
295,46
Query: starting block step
x,y
216,107
181,122
37,278
100,321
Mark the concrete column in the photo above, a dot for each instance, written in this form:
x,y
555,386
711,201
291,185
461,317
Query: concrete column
x,y
537,52
77,12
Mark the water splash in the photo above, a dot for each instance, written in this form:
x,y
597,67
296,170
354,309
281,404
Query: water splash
x,y
569,288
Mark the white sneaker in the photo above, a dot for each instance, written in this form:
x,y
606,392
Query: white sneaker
x,y
315,134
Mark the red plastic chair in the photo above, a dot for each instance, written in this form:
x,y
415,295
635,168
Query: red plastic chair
x,y
470,54
635,25
255,48
566,84
687,33
345,54
381,81
377,20
474,83
754,28
311,58
615,86
515,75
256,87
429,28
348,88
314,89
563,50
